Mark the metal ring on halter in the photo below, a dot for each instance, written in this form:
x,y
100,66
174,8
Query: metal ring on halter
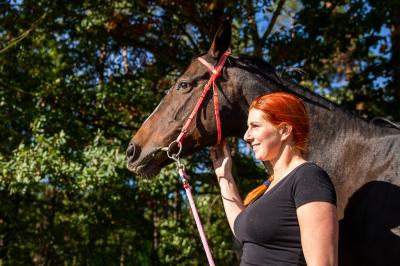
x,y
174,156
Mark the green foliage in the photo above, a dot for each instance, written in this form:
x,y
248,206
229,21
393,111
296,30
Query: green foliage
x,y
63,205
49,160
77,79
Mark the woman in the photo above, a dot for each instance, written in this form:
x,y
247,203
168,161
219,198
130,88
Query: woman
x,y
290,219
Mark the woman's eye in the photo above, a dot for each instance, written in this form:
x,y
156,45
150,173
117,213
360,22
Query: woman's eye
x,y
183,85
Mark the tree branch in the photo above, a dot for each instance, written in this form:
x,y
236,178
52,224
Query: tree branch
x,y
15,88
273,20
125,60
196,48
254,30
24,34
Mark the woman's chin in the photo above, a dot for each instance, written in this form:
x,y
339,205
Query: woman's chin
x,y
258,157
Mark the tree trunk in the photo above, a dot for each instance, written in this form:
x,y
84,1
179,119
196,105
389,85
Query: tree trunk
x,y
155,219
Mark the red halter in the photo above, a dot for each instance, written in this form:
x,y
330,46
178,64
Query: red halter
x,y
181,169
215,73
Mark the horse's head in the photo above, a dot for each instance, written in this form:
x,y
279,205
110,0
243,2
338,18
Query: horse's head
x,y
146,153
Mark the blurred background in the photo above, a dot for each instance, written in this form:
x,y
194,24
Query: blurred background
x,y
77,79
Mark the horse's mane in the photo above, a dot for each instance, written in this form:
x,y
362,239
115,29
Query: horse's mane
x,y
268,72
385,122
257,65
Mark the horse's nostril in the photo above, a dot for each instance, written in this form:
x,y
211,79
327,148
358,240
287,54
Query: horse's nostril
x,y
130,152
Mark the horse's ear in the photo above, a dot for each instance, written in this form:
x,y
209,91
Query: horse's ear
x,y
222,39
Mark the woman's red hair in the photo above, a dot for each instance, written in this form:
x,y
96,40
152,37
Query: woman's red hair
x,y
281,107
277,108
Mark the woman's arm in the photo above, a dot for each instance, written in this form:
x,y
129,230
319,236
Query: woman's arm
x,y
319,233
222,162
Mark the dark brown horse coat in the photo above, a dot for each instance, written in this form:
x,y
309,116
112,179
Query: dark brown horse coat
x,y
361,158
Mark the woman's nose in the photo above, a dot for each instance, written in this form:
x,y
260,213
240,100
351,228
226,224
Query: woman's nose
x,y
246,136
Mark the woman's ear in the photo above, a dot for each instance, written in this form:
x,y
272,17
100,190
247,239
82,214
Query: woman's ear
x,y
285,130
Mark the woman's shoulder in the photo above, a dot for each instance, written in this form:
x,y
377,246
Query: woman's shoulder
x,y
312,183
311,169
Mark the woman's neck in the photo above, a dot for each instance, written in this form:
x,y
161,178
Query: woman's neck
x,y
286,162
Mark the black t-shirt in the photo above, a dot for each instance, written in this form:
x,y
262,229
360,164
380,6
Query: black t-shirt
x,y
269,228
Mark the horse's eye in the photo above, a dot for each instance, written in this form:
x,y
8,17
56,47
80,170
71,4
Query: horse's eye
x,y
183,85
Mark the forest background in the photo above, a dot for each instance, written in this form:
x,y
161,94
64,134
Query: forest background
x,y
77,79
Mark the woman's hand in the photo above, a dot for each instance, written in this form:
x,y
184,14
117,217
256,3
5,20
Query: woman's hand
x,y
222,160
222,163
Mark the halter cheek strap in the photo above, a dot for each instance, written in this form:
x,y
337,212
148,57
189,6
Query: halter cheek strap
x,y
215,73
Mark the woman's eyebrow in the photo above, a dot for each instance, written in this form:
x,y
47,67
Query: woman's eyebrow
x,y
253,123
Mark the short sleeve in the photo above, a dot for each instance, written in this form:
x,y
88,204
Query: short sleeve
x,y
312,183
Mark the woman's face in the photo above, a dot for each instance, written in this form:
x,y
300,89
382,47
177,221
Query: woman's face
x,y
264,137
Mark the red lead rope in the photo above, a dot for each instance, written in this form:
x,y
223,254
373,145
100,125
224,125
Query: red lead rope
x,y
215,73
196,217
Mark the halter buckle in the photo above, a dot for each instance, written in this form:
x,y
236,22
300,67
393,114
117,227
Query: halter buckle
x,y
171,155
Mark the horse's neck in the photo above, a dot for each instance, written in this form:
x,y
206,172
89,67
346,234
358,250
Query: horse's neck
x,y
346,137
351,147
336,121
352,152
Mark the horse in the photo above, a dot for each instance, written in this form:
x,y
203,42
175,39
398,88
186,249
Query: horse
x,y
362,158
